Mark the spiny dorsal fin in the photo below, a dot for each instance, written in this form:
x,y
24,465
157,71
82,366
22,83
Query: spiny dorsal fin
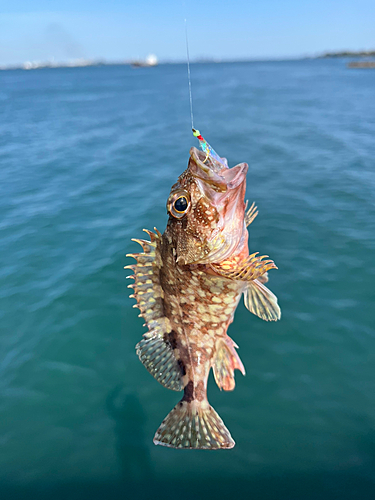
x,y
250,214
154,350
225,362
261,301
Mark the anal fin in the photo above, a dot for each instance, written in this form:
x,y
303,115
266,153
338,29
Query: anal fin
x,y
261,301
225,362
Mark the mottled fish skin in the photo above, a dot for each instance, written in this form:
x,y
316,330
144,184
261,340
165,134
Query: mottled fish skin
x,y
188,283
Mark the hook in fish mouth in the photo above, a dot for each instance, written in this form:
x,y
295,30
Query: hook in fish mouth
x,y
217,176
233,177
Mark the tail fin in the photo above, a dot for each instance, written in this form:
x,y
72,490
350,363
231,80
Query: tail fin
x,y
194,425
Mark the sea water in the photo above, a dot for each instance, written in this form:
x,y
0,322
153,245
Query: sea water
x,y
87,159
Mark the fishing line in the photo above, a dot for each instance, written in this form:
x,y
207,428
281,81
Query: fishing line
x,y
189,78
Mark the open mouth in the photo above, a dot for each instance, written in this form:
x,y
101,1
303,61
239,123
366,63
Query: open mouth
x,y
225,189
216,175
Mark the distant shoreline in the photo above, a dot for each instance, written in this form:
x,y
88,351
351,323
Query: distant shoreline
x,y
84,63
348,53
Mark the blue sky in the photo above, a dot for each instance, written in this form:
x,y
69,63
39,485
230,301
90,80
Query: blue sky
x,y
118,30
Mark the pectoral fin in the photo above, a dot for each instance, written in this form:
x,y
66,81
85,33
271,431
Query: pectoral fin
x,y
251,268
263,279
261,301
225,362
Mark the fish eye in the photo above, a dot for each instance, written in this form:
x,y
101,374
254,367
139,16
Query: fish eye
x,y
181,204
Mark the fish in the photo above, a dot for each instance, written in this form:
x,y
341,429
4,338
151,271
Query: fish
x,y
188,282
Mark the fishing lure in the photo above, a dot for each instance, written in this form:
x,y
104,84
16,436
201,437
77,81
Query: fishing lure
x,y
210,152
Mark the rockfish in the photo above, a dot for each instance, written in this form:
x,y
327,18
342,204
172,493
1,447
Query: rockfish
x,y
188,283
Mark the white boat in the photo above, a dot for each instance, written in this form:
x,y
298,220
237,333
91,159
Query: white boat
x,y
151,60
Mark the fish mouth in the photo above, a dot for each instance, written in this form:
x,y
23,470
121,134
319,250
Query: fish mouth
x,y
214,174
225,189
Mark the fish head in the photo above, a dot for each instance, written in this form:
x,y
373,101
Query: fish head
x,y
206,210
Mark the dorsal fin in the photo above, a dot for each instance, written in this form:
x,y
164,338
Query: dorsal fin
x,y
154,350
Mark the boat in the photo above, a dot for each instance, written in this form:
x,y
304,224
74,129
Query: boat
x,y
151,60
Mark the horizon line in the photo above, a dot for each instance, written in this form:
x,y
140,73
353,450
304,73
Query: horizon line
x,y
84,62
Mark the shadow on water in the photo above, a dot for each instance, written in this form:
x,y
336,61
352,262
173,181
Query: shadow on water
x,y
132,451
355,481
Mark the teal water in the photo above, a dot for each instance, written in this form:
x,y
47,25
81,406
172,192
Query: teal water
x,y
87,158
